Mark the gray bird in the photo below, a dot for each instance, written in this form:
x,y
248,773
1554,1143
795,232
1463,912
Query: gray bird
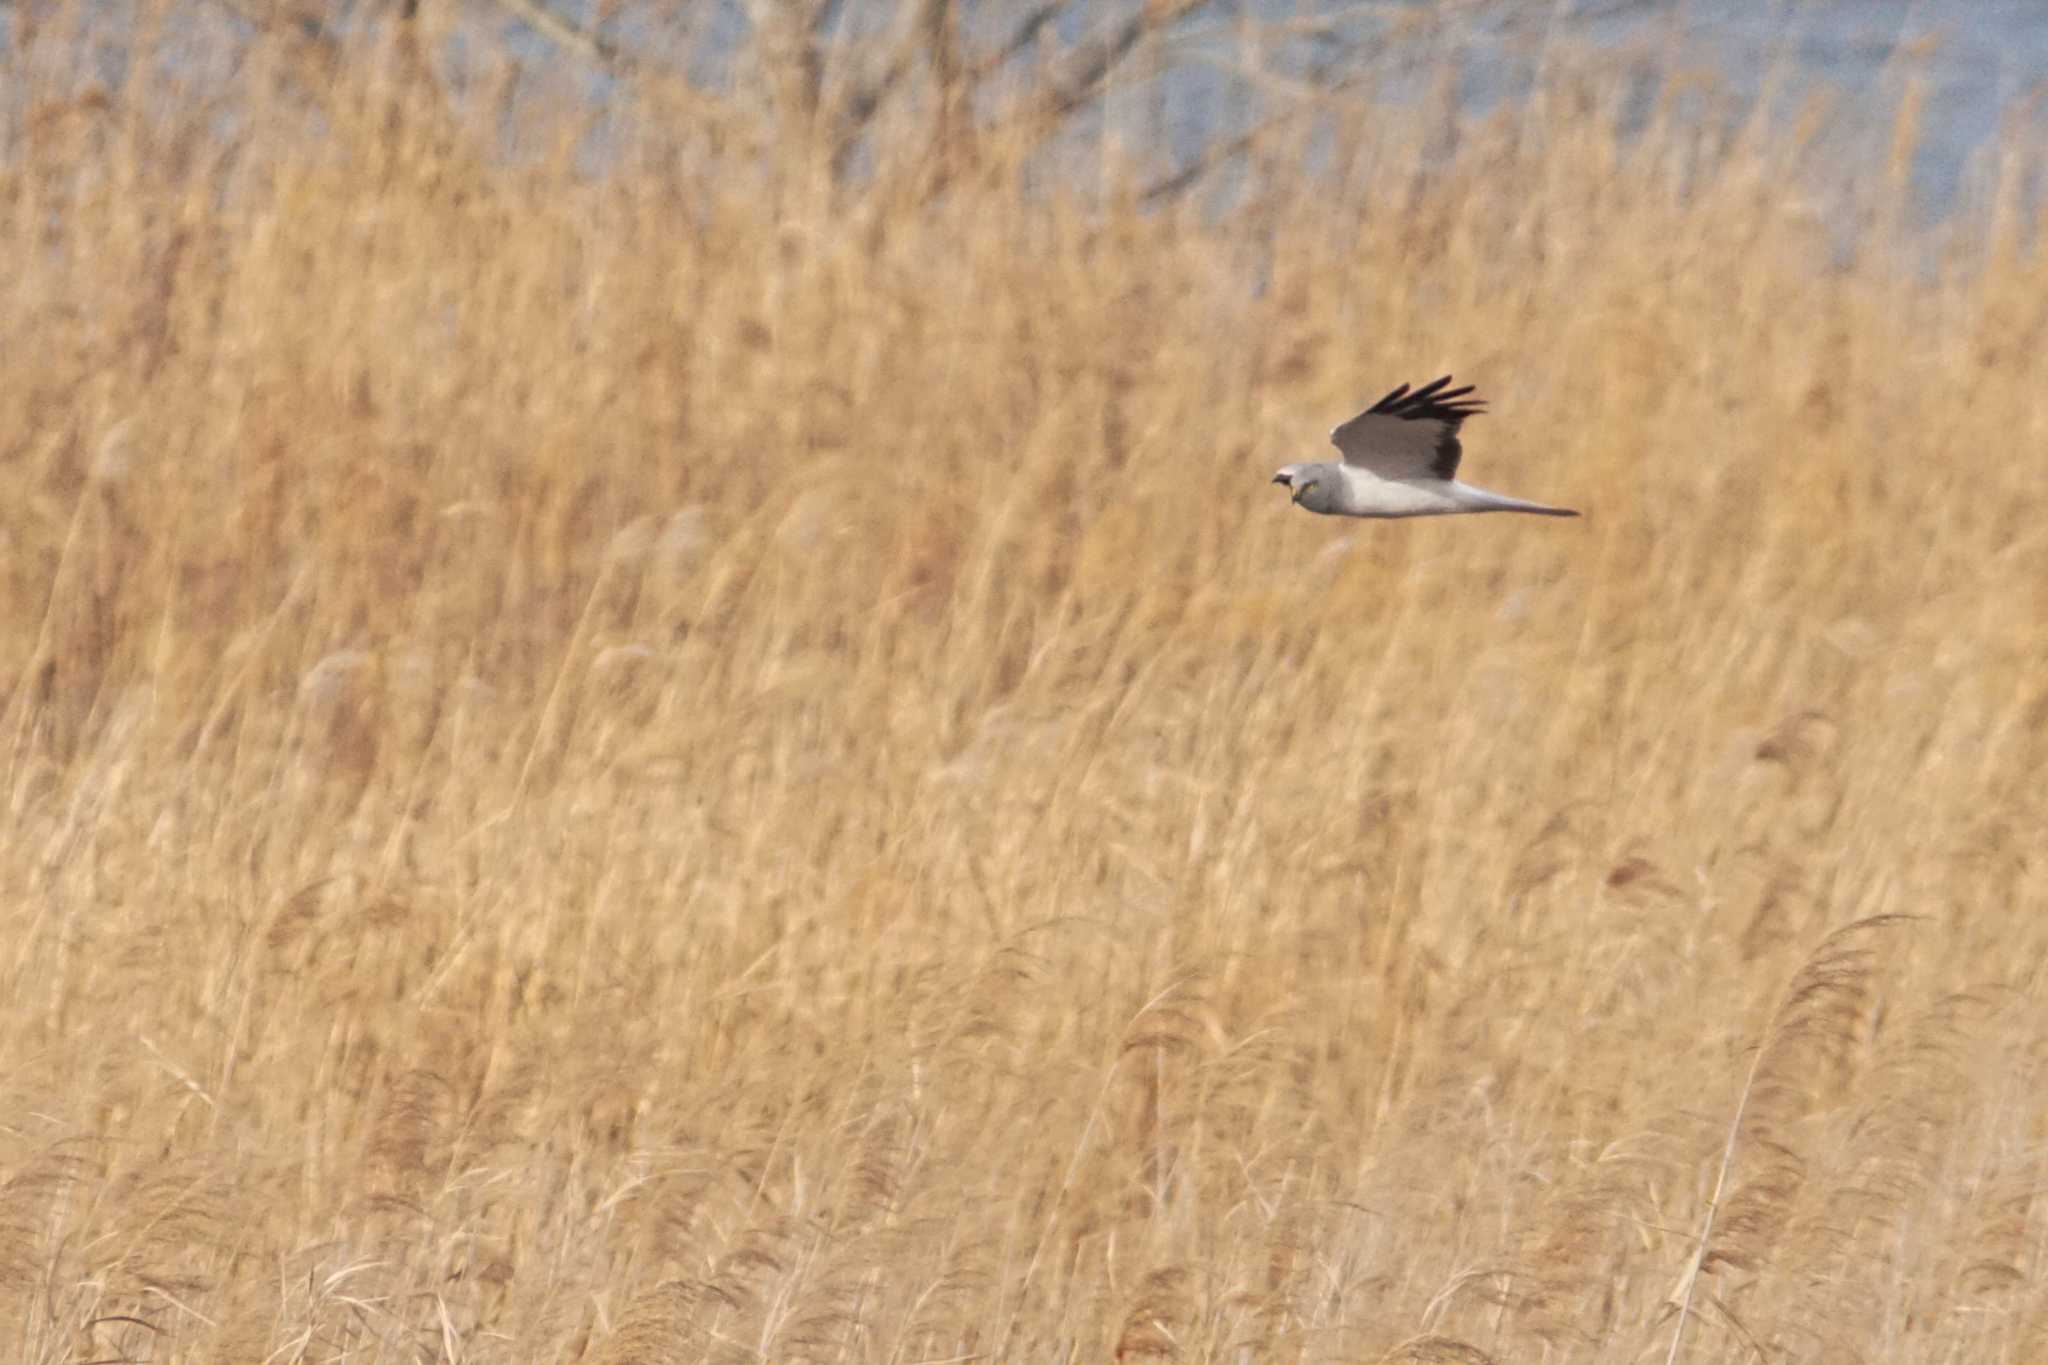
x,y
1400,457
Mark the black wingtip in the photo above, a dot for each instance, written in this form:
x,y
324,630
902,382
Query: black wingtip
x,y
1431,402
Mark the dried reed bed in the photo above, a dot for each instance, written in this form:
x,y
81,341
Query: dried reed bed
x,y
684,762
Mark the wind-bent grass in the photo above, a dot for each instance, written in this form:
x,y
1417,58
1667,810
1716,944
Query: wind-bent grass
x,y
699,761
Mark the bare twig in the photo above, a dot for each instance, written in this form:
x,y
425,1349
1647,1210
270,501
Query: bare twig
x,y
1021,37
669,87
559,31
311,44
1089,66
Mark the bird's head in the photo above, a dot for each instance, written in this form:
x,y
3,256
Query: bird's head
x,y
1307,483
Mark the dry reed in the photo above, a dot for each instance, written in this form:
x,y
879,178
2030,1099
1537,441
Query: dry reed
x,y
726,756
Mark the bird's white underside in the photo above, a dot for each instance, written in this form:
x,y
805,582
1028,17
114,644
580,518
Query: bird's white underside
x,y
1368,495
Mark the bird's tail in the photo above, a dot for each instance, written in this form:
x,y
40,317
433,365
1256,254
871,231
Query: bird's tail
x,y
1479,500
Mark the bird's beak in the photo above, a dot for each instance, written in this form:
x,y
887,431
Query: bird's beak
x,y
1282,478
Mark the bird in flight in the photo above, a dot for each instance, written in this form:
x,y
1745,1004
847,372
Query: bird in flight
x,y
1400,459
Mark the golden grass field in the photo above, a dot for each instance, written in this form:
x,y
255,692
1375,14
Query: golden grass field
x,y
682,762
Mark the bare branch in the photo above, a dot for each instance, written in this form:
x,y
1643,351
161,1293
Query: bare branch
x,y
562,33
1092,63
670,87
316,49
1219,150
1020,38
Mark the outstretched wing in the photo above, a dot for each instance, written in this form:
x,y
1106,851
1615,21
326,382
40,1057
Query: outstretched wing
x,y
1409,435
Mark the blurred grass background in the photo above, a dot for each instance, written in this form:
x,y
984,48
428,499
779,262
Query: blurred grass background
x,y
724,753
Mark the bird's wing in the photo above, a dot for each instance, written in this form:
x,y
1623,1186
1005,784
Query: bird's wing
x,y
1409,435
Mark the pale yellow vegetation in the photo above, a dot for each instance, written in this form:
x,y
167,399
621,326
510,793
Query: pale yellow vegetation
x,y
675,758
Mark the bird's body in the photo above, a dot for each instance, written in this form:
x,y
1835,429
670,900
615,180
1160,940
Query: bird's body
x,y
1399,459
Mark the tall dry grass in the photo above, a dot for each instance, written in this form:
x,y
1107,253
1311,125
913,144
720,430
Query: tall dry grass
x,y
694,759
